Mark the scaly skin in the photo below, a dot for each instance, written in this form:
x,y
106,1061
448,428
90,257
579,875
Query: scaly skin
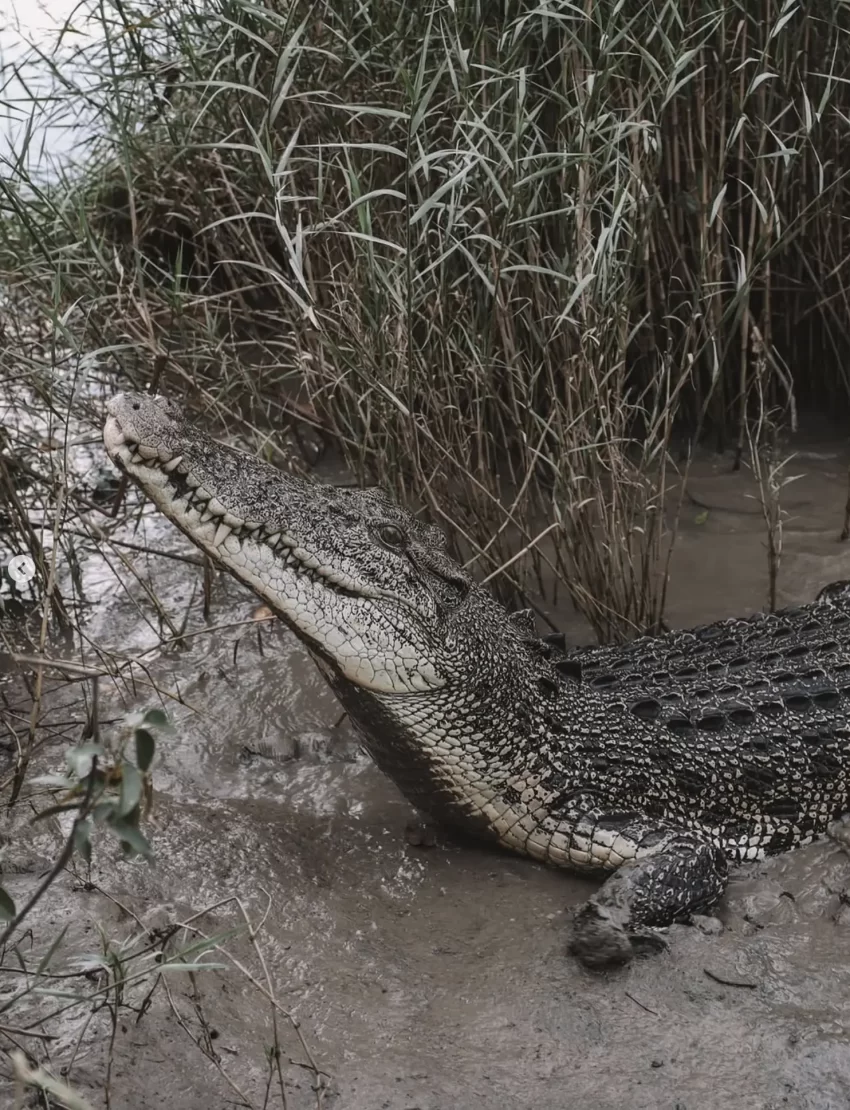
x,y
656,764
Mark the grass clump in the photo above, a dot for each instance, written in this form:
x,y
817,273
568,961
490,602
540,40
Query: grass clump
x,y
501,254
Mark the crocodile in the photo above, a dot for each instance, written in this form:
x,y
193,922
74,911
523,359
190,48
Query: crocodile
x,y
653,765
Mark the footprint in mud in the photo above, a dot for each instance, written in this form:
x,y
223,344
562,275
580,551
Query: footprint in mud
x,y
319,746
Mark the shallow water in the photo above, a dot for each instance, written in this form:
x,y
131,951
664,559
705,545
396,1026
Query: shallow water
x,y
437,978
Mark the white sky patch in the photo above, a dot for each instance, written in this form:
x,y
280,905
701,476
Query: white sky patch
x,y
40,127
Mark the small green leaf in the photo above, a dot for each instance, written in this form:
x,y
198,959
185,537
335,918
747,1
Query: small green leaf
x,y
157,718
7,906
82,843
145,748
80,759
89,749
702,517
131,789
132,818
131,839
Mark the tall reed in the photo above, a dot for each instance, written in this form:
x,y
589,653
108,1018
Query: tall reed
x,y
501,253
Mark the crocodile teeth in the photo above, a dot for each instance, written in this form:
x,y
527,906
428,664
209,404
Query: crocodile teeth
x,y
193,480
233,521
216,507
148,453
205,516
251,525
202,494
172,464
272,539
137,459
221,534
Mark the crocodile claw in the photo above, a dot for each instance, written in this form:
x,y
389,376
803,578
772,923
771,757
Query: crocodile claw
x,y
600,940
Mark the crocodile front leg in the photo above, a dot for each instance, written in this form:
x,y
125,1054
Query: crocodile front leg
x,y
673,874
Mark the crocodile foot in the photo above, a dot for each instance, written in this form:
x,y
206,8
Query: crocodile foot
x,y
600,940
710,926
839,832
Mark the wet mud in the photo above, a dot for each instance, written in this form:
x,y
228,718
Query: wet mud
x,y
437,978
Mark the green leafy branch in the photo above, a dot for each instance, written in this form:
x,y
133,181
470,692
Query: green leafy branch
x,y
114,792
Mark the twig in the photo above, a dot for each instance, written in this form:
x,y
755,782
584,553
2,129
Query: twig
x,y
13,1031
61,861
99,534
181,1021
275,1052
638,1002
520,554
265,991
730,982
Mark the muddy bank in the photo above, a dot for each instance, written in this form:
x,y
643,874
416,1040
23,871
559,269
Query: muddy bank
x,y
435,978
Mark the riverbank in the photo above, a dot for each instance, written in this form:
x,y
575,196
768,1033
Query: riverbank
x,y
432,978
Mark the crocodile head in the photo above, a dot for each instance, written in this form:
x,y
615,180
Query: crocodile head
x,y
368,587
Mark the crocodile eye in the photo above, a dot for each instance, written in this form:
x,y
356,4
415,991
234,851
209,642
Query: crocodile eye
x,y
391,535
